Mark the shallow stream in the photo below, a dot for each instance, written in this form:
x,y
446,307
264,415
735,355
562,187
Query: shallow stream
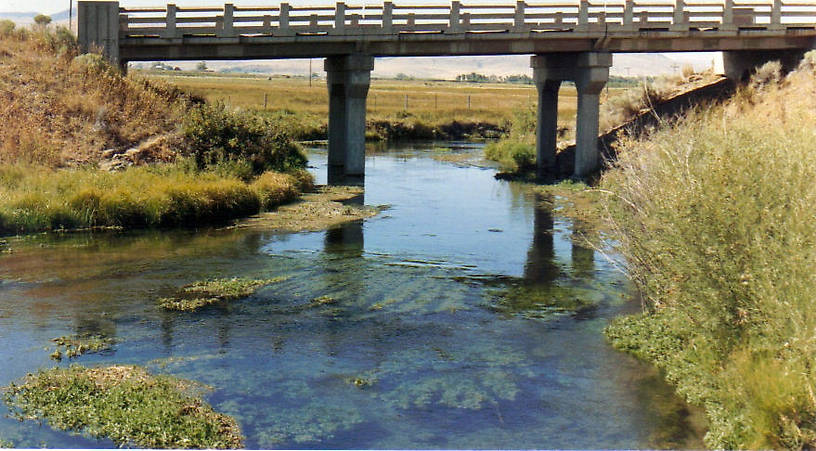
x,y
468,314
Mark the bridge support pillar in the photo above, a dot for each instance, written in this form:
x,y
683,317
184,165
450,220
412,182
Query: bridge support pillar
x,y
740,64
348,79
589,71
98,28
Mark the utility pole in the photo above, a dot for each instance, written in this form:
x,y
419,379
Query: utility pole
x,y
70,14
310,72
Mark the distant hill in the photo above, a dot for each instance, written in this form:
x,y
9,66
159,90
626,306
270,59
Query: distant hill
x,y
26,18
627,64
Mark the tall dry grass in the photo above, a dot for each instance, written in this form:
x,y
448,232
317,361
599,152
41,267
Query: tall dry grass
x,y
57,109
716,218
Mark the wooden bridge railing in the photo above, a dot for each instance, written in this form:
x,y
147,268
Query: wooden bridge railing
x,y
456,18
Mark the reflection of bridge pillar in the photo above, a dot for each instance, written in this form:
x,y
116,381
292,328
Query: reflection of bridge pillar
x,y
348,79
589,71
738,65
540,266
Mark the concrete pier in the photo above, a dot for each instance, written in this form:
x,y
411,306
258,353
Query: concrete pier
x,y
98,28
590,72
348,79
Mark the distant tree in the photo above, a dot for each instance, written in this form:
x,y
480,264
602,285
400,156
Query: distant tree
x,y
402,76
42,20
201,66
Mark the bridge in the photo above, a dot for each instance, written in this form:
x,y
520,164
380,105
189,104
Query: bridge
x,y
570,40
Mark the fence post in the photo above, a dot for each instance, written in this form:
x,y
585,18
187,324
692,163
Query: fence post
x,y
170,22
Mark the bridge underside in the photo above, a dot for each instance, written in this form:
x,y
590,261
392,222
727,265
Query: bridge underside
x,y
472,44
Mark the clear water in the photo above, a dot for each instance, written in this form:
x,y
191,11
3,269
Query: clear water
x,y
469,315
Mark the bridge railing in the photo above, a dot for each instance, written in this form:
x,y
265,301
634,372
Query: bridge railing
x,y
616,16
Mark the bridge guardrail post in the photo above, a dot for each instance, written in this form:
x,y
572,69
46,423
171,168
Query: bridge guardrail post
x,y
283,21
225,28
388,17
583,16
728,16
454,26
679,22
340,17
518,17
776,16
170,22
629,15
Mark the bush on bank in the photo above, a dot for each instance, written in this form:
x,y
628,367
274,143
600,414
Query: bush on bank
x,y
715,216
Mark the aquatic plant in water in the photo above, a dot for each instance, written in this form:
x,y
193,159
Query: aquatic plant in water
x,y
76,345
199,294
125,404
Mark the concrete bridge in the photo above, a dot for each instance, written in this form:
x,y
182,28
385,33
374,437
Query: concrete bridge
x,y
570,40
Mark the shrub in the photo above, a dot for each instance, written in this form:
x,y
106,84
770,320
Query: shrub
x,y
512,156
715,218
216,135
6,27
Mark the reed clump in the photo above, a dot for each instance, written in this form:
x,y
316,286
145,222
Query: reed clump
x,y
715,216
36,198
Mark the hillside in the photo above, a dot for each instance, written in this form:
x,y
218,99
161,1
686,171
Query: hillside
x,y
60,110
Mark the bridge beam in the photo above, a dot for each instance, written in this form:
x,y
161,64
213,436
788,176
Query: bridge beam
x,y
589,71
739,65
348,79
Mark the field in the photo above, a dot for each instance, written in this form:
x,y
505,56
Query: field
x,y
430,101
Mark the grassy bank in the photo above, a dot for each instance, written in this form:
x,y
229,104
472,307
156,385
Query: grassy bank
x,y
125,404
36,198
715,218
169,159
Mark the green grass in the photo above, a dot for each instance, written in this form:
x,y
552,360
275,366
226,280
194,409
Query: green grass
x,y
33,198
76,345
124,404
201,294
715,218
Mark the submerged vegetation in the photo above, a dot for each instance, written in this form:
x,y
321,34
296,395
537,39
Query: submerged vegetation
x,y
200,294
76,345
125,404
715,217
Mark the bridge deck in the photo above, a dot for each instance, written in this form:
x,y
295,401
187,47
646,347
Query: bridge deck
x,y
286,31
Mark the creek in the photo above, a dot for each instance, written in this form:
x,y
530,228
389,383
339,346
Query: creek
x,y
468,314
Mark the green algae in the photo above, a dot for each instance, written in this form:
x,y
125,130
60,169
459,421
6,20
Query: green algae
x,y
125,404
200,294
72,346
